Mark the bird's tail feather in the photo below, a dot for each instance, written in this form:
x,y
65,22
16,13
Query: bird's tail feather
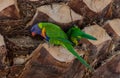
x,y
66,44
71,49
88,36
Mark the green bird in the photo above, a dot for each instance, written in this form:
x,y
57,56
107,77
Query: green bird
x,y
75,34
56,36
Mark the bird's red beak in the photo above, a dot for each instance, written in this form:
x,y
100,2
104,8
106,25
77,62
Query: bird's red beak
x,y
33,34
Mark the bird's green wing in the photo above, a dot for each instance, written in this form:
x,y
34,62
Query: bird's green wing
x,y
58,41
83,35
53,30
77,33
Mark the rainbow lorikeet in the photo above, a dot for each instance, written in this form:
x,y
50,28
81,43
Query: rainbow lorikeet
x,y
55,35
75,34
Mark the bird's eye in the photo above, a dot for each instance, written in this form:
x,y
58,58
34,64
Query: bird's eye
x,y
32,29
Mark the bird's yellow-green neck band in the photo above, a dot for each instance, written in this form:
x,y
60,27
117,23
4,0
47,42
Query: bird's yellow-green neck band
x,y
40,25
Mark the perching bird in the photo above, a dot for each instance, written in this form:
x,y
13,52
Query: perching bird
x,y
55,35
75,34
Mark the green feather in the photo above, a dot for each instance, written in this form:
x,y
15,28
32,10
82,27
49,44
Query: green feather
x,y
84,35
53,30
57,41
74,40
58,37
71,49
75,32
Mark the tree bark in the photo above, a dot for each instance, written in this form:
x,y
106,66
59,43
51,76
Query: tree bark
x,y
56,63
112,27
58,13
110,69
91,9
100,48
9,9
3,52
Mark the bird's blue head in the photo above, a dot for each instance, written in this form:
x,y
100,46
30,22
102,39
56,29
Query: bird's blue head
x,y
35,30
